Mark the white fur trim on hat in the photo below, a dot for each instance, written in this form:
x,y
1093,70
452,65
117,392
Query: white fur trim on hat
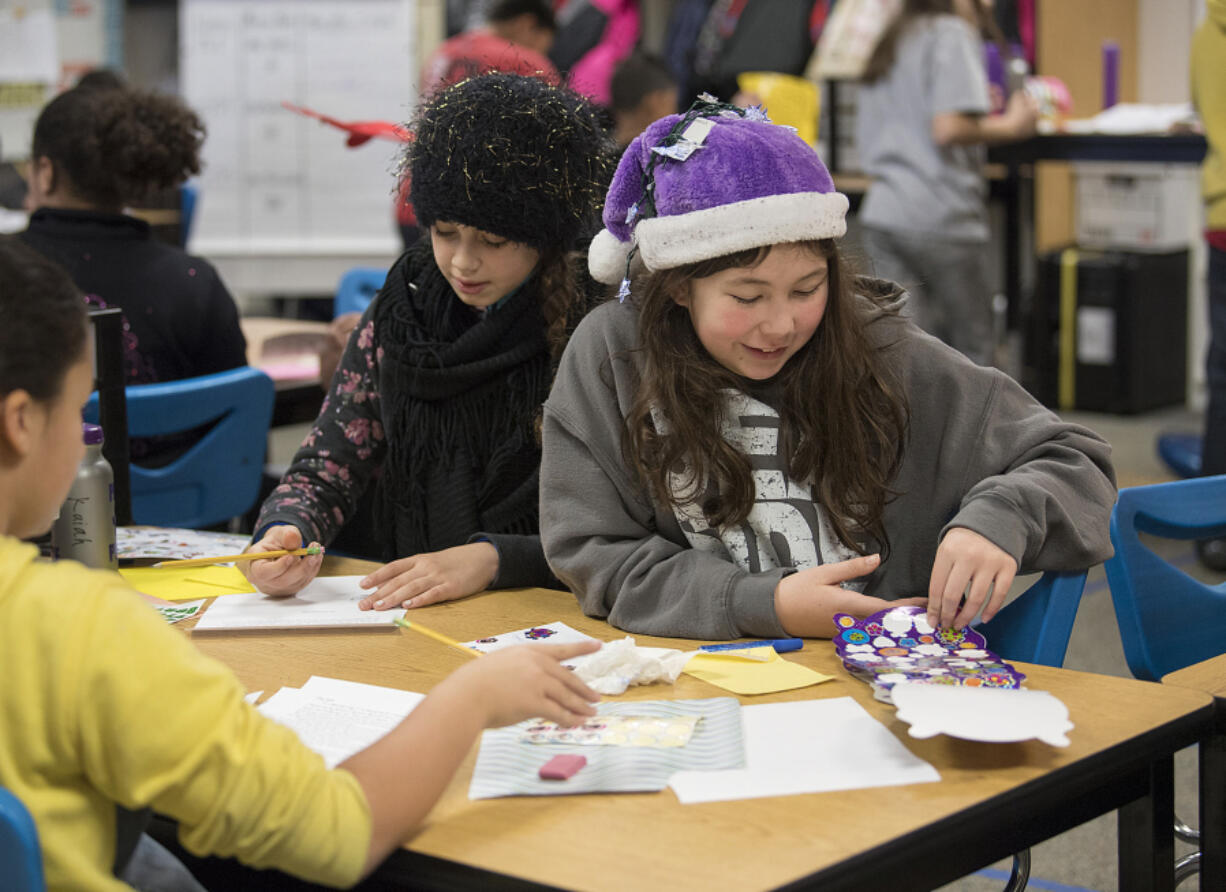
x,y
669,241
606,257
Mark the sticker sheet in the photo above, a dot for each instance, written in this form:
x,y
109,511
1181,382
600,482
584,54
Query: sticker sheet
x,y
551,633
171,543
508,765
617,730
898,644
174,613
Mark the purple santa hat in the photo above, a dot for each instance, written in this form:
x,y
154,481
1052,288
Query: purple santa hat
x,y
716,180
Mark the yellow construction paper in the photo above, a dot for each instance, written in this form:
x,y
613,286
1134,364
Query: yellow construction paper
x,y
732,671
186,584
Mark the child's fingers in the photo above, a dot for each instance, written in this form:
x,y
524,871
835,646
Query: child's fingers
x,y
566,651
573,683
572,704
844,571
386,573
951,595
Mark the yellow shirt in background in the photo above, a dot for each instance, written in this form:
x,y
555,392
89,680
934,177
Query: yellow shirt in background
x,y
1209,96
101,702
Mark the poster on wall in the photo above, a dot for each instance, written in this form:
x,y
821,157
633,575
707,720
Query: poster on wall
x,y
276,182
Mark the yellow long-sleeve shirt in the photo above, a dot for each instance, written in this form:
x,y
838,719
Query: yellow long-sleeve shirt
x,y
103,704
1209,96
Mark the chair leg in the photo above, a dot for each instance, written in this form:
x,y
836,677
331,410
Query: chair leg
x,y
1186,866
1020,876
1185,832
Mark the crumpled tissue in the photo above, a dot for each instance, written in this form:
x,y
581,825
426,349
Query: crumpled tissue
x,y
620,664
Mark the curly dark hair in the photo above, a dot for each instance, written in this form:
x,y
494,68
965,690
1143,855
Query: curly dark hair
x,y
117,146
843,418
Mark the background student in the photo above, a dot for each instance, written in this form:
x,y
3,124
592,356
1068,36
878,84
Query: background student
x,y
435,406
922,124
642,91
1209,94
96,726
756,438
96,150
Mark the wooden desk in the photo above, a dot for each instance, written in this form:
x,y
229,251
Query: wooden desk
x,y
1210,676
288,351
993,799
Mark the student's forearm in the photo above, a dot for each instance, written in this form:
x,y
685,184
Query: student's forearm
x,y
405,772
954,129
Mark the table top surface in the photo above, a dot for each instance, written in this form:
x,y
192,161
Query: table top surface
x,y
1208,675
581,842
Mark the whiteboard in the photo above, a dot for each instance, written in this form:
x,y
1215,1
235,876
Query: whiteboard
x,y
276,184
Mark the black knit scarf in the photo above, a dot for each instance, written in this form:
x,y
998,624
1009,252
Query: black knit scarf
x,y
460,393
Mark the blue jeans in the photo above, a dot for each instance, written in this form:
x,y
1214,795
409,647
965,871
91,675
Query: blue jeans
x,y
1213,455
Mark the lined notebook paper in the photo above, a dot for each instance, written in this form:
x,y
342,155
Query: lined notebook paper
x,y
328,602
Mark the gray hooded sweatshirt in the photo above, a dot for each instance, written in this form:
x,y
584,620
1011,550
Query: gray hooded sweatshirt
x,y
980,453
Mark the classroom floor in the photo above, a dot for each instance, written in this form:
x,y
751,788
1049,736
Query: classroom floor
x,y
1084,858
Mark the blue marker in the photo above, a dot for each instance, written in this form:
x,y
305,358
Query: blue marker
x,y
781,645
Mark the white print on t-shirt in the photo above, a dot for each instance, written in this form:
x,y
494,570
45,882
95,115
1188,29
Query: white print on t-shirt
x,y
785,527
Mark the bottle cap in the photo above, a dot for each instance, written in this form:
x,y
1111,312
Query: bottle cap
x,y
93,434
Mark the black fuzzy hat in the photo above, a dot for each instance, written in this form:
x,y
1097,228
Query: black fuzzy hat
x,y
513,156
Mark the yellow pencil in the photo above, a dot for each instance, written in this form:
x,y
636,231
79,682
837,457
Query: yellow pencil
x,y
437,636
245,556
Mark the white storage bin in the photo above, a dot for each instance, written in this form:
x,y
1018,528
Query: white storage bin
x,y
1136,206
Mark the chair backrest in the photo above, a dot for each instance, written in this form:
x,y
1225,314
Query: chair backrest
x,y
21,860
1167,619
187,211
357,289
218,477
1035,626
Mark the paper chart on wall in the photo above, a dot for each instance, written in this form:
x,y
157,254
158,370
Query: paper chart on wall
x,y
328,602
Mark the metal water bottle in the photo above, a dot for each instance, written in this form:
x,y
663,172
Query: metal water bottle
x,y
85,529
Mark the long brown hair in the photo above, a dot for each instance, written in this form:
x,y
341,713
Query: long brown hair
x,y
842,416
884,53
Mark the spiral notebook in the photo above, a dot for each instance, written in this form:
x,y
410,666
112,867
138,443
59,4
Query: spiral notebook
x,y
328,602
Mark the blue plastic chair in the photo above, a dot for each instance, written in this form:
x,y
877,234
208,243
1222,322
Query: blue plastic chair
x,y
1035,626
21,859
1167,619
357,289
1181,452
187,209
218,478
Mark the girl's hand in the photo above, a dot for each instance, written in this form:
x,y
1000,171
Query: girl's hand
x,y
1022,114
429,578
967,563
287,574
524,682
806,602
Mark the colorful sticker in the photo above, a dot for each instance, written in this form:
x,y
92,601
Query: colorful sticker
x,y
899,644
616,730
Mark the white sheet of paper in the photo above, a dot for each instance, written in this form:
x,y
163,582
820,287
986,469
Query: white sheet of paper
x,y
338,718
253,697
328,602
808,746
549,633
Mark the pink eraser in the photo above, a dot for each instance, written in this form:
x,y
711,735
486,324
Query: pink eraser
x,y
562,766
